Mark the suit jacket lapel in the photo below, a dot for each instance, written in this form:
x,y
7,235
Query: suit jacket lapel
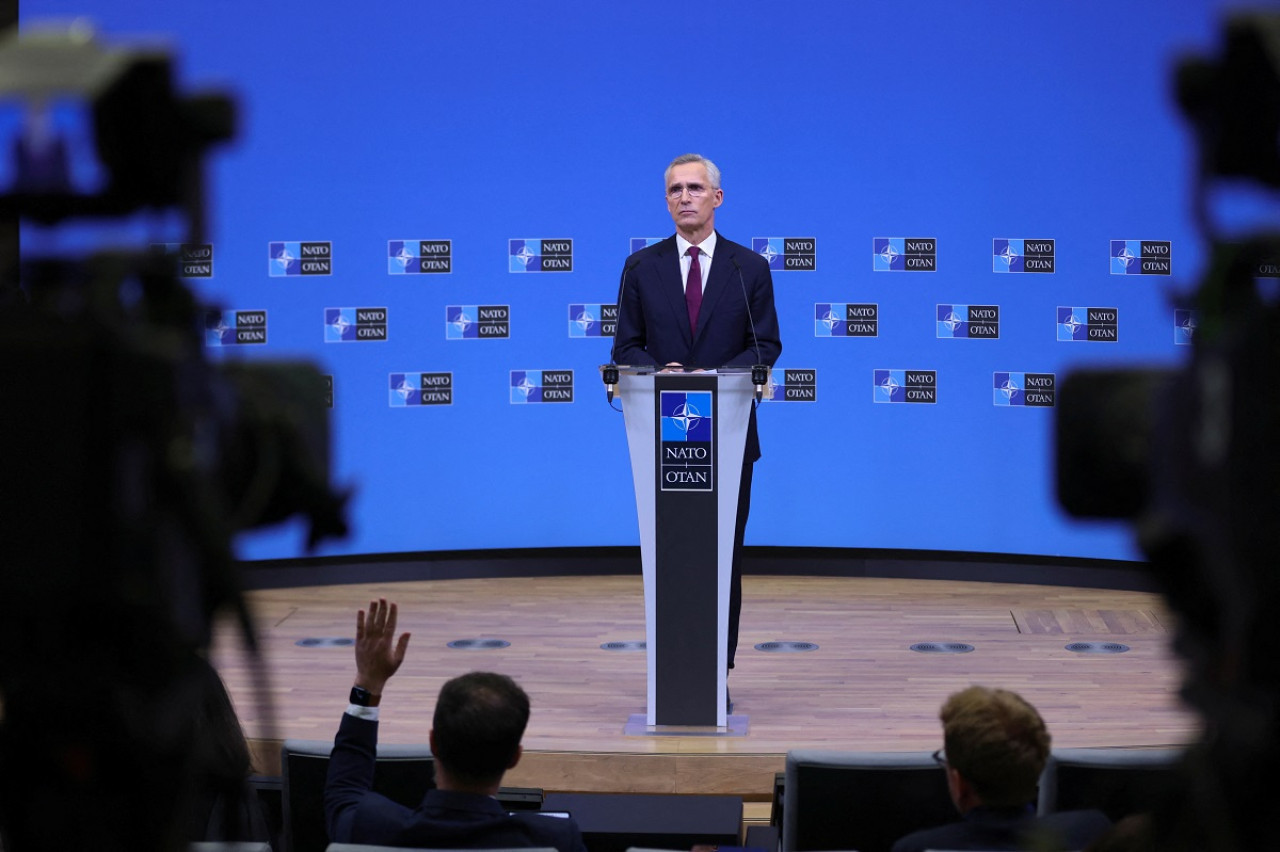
x,y
721,273
673,287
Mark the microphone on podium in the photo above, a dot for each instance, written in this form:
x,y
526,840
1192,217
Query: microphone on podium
x,y
759,371
609,372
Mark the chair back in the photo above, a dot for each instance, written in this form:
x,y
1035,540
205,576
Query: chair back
x,y
1116,781
860,800
402,773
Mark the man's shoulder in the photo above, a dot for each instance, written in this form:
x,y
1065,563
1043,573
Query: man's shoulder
x,y
942,837
457,801
747,258
1073,829
656,250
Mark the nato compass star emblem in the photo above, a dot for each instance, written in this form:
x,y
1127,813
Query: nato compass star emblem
x,y
462,322
1190,327
952,322
340,324
585,320
1009,388
525,387
524,255
1072,324
686,417
768,253
889,386
888,254
1125,256
404,257
405,389
1008,255
829,319
284,258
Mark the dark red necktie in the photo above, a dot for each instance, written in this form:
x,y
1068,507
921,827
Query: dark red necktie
x,y
693,289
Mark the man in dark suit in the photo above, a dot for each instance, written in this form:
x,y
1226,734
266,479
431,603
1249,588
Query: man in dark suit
x,y
698,300
995,748
475,738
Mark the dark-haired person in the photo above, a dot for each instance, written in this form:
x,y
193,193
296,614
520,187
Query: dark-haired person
x,y
697,299
220,803
475,737
995,747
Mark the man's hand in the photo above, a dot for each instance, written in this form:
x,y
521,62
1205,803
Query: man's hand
x,y
378,654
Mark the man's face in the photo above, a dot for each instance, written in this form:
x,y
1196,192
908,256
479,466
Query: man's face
x,y
692,214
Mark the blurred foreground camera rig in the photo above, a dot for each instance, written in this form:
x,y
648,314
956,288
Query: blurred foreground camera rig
x,y
1191,458
129,461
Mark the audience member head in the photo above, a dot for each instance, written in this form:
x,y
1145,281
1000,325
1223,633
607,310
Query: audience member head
x,y
996,747
479,720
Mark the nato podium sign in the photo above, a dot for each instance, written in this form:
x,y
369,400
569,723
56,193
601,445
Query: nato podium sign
x,y
686,433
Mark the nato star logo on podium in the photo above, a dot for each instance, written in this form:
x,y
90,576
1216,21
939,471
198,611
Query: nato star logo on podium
x,y
686,416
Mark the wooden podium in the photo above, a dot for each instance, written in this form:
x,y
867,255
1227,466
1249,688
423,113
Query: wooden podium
x,y
684,430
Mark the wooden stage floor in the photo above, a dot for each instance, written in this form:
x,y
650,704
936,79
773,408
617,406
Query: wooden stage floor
x,y
863,688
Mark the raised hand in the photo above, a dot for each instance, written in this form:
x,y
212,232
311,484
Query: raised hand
x,y
378,653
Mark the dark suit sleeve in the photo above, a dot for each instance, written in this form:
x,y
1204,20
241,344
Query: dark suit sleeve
x,y
350,778
758,283
631,336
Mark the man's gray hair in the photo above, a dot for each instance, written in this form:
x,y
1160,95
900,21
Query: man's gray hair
x,y
713,173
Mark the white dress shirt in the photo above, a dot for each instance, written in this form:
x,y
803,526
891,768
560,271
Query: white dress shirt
x,y
707,248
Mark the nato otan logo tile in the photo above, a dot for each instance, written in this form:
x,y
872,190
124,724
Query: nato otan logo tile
x,y
1022,256
540,255
904,254
419,257
289,259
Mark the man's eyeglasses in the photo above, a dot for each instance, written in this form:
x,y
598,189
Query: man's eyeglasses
x,y
695,190
940,758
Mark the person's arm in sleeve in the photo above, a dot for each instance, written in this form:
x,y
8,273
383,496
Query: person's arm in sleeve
x,y
630,341
355,749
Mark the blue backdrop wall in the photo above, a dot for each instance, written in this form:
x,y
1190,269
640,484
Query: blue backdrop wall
x,y
378,139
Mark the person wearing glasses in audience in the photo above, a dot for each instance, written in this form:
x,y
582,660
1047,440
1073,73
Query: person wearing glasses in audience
x,y
479,721
698,300
995,745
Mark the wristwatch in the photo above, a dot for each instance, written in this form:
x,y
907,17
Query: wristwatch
x,y
362,697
